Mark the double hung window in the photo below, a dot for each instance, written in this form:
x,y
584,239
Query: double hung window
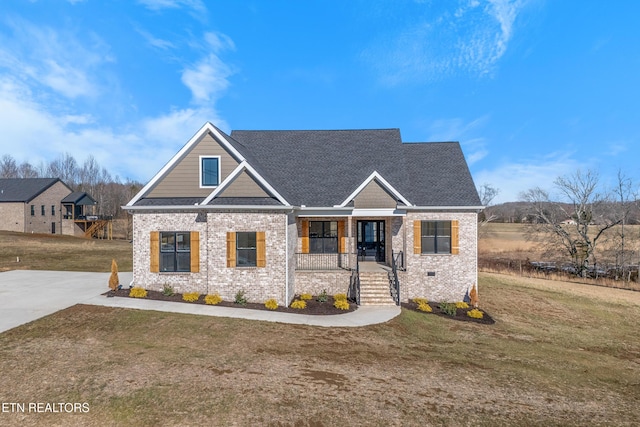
x,y
175,251
246,249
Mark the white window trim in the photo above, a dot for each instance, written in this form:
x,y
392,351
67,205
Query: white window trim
x,y
200,167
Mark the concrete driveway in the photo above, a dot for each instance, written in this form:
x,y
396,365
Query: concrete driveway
x,y
27,295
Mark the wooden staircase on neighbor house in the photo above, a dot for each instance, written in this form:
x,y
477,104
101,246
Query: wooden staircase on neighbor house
x,y
374,288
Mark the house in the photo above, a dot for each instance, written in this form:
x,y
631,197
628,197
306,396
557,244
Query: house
x,y
32,205
47,205
279,213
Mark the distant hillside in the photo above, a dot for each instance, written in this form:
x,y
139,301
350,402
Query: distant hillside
x,y
517,212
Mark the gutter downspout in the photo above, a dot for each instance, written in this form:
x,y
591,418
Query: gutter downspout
x,y
286,260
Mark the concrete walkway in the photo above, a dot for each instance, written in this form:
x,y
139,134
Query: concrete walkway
x,y
28,295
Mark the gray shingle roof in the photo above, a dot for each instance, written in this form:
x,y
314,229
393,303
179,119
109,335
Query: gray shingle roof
x,y
23,189
323,167
79,198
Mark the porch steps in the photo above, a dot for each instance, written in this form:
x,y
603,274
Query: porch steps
x,y
374,288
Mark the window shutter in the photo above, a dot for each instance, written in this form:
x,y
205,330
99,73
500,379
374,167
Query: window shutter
x,y
231,249
417,237
195,252
455,245
154,246
261,249
305,236
342,239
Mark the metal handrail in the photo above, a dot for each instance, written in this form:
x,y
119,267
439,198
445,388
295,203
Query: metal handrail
x,y
394,283
354,284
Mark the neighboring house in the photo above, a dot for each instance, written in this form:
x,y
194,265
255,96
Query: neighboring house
x,y
279,213
47,205
32,205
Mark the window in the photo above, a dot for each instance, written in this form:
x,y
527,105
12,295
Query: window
x,y
209,171
53,210
246,249
436,237
33,210
323,237
42,210
175,251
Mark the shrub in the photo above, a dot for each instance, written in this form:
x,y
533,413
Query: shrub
x,y
167,290
299,304
138,292
191,296
448,308
323,297
423,306
306,297
338,297
420,301
213,299
271,304
113,279
240,298
462,304
341,304
475,313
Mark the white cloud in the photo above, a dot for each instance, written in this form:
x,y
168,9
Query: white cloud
x,y
195,5
466,133
469,38
155,41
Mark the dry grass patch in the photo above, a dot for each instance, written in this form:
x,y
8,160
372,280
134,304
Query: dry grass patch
x,y
62,253
552,359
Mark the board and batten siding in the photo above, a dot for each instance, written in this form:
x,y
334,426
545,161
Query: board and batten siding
x,y
183,180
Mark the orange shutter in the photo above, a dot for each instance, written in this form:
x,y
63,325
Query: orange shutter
x,y
342,239
261,249
305,235
417,237
154,246
195,252
231,249
455,245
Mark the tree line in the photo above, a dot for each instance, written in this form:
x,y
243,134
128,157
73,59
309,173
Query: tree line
x,y
109,191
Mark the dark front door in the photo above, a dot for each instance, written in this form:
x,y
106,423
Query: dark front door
x,y
371,241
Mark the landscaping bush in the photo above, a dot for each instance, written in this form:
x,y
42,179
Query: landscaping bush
x,y
213,299
167,290
191,296
138,292
240,298
462,304
448,308
475,313
423,306
420,301
298,304
306,297
341,304
323,297
271,304
337,297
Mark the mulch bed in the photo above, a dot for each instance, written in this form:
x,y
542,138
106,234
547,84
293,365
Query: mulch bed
x,y
313,306
461,313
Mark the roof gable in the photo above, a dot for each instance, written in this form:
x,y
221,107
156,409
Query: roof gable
x,y
374,190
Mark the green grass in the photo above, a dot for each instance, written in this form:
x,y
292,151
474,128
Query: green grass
x,y
551,359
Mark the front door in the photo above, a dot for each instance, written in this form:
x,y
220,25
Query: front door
x,y
371,241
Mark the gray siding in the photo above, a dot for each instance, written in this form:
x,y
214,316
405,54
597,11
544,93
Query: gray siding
x,y
244,186
374,196
184,178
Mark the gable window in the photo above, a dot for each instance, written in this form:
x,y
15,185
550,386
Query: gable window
x,y
323,237
175,251
42,210
209,171
33,210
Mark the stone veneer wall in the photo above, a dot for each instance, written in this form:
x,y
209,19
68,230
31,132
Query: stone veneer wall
x,y
316,281
259,284
454,274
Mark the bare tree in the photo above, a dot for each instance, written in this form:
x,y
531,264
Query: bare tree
x,y
625,196
8,167
487,193
25,170
579,223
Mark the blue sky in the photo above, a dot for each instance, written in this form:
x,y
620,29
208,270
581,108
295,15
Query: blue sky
x,y
532,89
